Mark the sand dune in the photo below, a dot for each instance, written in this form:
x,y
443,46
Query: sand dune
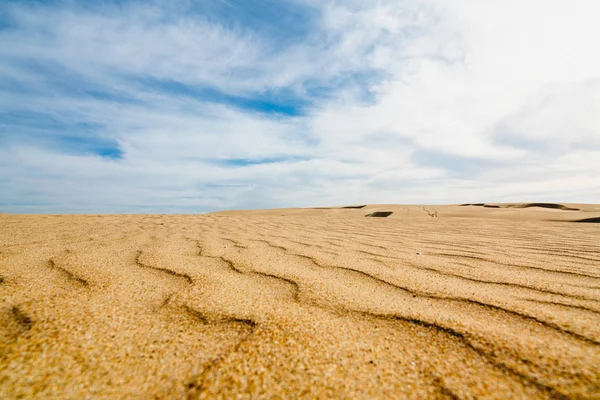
x,y
429,302
554,206
593,219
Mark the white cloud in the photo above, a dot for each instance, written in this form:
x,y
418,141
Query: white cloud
x,y
512,87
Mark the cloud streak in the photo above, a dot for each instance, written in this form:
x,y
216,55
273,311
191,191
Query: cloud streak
x,y
195,106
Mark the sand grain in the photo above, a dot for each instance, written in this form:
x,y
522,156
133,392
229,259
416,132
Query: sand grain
x,y
430,302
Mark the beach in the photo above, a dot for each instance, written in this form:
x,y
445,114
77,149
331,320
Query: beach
x,y
460,301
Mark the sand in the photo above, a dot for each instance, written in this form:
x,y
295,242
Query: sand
x,y
471,301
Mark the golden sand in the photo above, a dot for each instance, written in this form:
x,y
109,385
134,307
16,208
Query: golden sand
x,y
430,302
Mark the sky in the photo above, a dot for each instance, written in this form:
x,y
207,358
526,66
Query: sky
x,y
185,106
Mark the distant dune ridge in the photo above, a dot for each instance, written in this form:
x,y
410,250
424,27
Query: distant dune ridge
x,y
465,301
525,205
593,219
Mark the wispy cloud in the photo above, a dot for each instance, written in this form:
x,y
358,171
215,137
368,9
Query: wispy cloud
x,y
191,106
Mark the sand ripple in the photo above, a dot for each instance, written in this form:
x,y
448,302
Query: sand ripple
x,y
430,302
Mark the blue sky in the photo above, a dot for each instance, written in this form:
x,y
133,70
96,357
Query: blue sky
x,y
193,106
